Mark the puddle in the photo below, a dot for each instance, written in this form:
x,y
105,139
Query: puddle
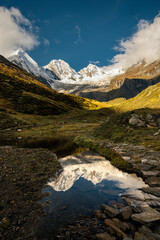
x,y
86,181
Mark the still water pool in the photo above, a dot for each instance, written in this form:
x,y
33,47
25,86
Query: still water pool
x,y
86,181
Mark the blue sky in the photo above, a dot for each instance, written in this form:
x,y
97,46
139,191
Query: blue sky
x,y
82,31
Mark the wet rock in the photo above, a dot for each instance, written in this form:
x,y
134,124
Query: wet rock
x,y
110,211
134,204
141,236
126,212
153,181
124,226
100,215
104,236
148,216
116,229
147,231
150,173
152,190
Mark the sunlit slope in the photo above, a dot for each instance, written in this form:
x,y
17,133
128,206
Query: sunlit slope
x,y
148,98
22,92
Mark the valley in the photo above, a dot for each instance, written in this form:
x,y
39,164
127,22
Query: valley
x,y
39,126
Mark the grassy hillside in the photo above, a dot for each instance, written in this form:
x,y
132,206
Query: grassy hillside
x,y
148,98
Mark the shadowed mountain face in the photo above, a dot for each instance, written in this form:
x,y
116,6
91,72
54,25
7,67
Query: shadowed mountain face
x,y
129,89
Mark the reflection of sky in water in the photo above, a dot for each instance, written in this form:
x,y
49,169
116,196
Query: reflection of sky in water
x,y
95,169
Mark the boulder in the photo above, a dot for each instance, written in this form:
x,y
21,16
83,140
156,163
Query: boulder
x,y
135,121
110,211
126,212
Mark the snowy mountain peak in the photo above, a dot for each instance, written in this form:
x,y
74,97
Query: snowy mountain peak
x,y
62,69
23,60
20,53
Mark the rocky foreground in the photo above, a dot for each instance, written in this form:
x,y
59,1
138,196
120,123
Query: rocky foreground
x,y
140,219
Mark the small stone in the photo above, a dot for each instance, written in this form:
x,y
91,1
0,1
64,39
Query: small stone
x,y
126,212
104,236
19,130
111,212
100,215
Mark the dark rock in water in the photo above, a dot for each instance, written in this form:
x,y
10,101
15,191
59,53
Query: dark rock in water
x,y
111,212
116,229
126,212
105,236
147,231
124,226
141,236
100,215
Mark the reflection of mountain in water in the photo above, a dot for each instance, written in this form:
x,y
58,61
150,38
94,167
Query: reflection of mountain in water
x,y
94,168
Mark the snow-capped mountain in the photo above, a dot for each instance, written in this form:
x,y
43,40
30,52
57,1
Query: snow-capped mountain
x,y
23,60
63,70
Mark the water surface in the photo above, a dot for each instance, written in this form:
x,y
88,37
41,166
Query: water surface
x,y
86,181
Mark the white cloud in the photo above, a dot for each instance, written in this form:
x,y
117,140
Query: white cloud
x,y
78,31
15,31
142,45
94,62
46,42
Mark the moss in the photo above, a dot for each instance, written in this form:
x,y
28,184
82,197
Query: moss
x,y
115,159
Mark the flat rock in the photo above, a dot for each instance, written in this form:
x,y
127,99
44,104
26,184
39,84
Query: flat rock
x,y
104,236
116,229
150,173
148,216
152,190
110,211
